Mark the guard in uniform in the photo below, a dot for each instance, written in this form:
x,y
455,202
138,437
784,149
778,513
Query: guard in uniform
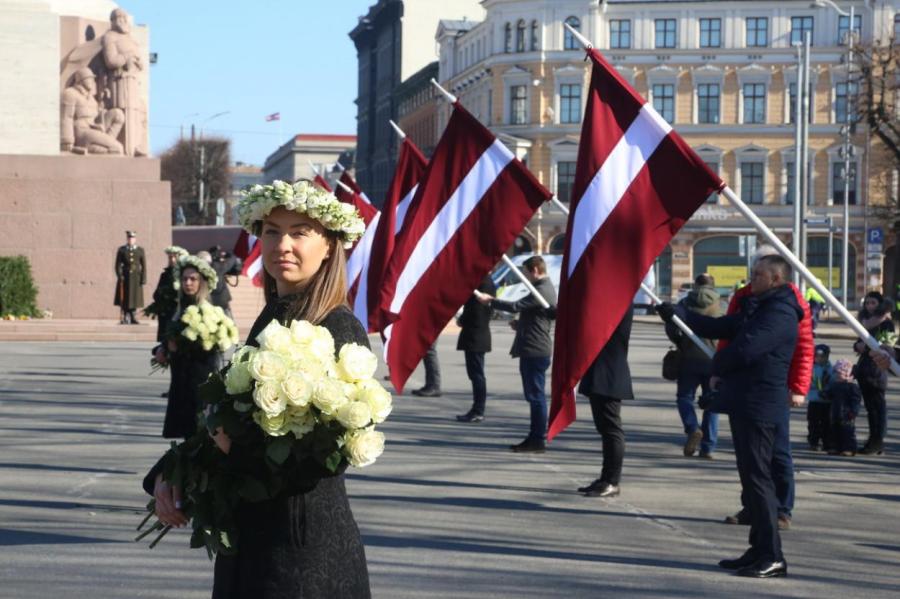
x,y
131,275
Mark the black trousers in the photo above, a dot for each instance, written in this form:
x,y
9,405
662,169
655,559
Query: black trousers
x,y
607,412
432,368
754,443
876,413
475,372
818,417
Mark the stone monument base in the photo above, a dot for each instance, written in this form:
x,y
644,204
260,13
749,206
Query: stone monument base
x,y
69,214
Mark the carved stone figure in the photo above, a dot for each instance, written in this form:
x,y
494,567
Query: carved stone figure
x,y
86,126
122,57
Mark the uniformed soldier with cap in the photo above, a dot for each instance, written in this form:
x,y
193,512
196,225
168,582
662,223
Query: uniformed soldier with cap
x,y
131,274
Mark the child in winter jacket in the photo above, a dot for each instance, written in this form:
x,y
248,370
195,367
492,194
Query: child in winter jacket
x,y
818,410
845,401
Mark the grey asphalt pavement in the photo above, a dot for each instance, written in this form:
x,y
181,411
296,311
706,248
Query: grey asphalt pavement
x,y
448,511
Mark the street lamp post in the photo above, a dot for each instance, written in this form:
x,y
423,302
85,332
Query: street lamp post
x,y
848,121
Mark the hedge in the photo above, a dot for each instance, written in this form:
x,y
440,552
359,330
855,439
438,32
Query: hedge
x,y
18,294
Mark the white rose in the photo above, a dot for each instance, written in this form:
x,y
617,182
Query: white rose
x,y
378,398
190,334
322,343
299,421
329,396
274,338
363,447
243,353
296,389
302,331
237,379
354,414
274,426
268,366
269,399
356,363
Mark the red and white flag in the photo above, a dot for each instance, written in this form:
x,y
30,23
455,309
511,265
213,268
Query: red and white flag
x,y
411,165
636,183
248,249
473,200
356,197
358,255
321,182
275,116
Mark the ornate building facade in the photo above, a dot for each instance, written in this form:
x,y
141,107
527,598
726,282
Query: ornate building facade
x,y
724,74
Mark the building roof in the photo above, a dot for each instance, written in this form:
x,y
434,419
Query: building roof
x,y
456,25
324,137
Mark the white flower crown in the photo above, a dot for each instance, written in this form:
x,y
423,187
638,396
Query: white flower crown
x,y
206,271
305,198
177,250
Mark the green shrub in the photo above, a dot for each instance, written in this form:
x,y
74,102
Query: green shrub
x,y
18,294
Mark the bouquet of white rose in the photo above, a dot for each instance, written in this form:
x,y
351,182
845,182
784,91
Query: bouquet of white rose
x,y
208,326
294,413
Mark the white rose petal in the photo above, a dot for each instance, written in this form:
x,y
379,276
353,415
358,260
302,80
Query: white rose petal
x,y
274,338
268,366
274,426
354,414
363,447
237,379
356,363
378,398
267,396
296,389
329,396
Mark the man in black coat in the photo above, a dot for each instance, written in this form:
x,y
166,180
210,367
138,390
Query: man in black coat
x,y
753,371
606,383
131,276
533,346
225,265
475,341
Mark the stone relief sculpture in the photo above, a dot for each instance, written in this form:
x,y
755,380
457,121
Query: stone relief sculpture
x,y
103,107
86,126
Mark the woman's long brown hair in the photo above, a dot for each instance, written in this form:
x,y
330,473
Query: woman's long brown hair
x,y
326,290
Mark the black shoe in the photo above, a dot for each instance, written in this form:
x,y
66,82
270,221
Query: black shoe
x,y
529,446
742,517
427,392
470,417
748,559
872,448
604,489
594,485
764,569
164,394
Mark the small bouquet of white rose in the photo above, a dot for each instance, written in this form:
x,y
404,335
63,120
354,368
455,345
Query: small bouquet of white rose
x,y
208,327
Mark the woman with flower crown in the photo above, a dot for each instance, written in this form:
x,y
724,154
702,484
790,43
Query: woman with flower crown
x,y
303,543
190,362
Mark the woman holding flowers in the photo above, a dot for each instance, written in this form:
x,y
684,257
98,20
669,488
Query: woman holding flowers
x,y
193,344
301,541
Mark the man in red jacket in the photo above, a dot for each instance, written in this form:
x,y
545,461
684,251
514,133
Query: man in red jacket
x,y
798,382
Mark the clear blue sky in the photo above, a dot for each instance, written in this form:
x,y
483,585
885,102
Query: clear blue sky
x,y
251,59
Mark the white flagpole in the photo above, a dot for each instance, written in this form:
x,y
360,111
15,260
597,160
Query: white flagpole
x,y
314,168
811,279
677,321
450,97
344,186
524,279
397,130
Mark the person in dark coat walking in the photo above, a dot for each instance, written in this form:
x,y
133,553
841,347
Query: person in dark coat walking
x,y
165,296
131,276
753,372
606,383
475,341
533,346
305,543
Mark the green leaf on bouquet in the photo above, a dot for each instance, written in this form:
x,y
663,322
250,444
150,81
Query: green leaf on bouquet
x,y
333,461
212,391
252,490
279,449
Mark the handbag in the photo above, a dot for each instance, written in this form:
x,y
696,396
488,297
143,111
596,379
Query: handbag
x,y
671,364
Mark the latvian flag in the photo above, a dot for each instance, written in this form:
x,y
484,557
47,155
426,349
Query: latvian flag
x,y
248,249
473,200
358,256
636,183
275,116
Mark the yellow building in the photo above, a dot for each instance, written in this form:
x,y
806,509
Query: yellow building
x,y
724,74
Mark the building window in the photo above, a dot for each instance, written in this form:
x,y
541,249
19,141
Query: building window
x,y
710,33
565,179
757,32
843,103
837,183
665,33
517,100
714,196
507,43
755,103
520,36
570,103
799,28
620,33
792,103
534,36
844,23
752,191
789,181
708,103
569,41
664,101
